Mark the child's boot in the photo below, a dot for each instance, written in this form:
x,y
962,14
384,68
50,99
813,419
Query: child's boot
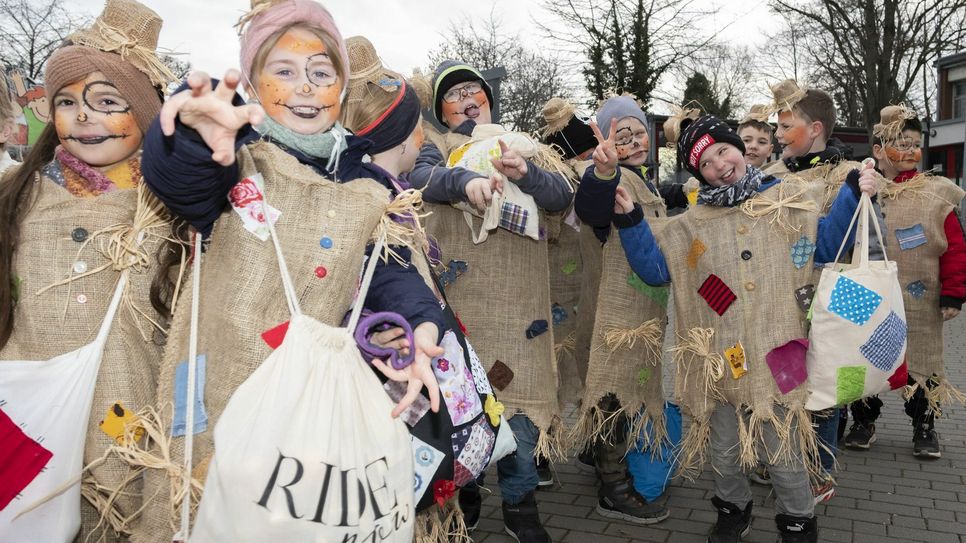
x,y
796,529
733,522
522,521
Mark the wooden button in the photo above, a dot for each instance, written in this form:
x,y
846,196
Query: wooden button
x,y
742,229
750,286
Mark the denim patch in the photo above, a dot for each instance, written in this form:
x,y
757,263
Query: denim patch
x,y
181,396
910,238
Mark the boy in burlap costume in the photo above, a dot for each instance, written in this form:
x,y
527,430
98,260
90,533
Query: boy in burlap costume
x,y
734,282
504,294
623,391
81,209
325,224
921,216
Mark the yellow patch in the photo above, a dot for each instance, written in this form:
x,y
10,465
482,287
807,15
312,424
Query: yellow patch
x,y
493,409
697,249
117,419
693,197
735,355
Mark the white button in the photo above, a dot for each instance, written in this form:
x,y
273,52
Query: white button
x,y
82,298
80,266
331,213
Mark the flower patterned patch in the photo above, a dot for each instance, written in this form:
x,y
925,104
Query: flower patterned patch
x,y
852,301
427,461
802,251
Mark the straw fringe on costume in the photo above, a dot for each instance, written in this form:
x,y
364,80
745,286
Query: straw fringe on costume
x,y
444,524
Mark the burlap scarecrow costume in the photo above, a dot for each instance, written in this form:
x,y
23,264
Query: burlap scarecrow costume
x,y
327,214
81,231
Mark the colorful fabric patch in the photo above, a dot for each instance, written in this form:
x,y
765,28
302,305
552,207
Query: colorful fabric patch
x,y
456,382
569,267
802,251
178,426
514,218
658,294
804,296
454,269
116,419
500,375
479,373
559,313
643,376
900,377
735,356
910,238
537,328
461,474
883,348
850,384
416,410
248,200
273,337
697,249
916,289
717,294
787,364
476,451
852,301
22,459
426,461
494,409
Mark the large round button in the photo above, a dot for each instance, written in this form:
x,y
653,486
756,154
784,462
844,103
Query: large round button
x,y
750,286
746,255
742,229
79,235
81,298
80,266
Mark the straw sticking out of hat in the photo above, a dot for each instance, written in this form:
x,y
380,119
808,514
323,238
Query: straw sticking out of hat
x,y
758,112
423,85
257,6
891,121
680,118
556,114
366,67
786,94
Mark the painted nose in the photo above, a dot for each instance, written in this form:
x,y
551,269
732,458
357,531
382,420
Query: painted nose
x,y
305,88
82,117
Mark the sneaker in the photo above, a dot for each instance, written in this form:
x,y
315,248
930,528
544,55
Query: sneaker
x,y
860,436
760,475
732,524
621,501
796,529
823,489
926,443
544,473
522,521
471,502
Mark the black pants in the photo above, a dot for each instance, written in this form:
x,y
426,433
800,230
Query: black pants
x,y
868,410
609,457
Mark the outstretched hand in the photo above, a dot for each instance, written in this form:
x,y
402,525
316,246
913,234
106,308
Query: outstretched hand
x,y
510,163
211,113
420,372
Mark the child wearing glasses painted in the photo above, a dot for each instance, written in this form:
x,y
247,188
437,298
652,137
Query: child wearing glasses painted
x,y
921,212
503,296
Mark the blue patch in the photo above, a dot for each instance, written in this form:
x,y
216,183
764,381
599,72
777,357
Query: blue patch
x,y
559,313
886,343
181,394
910,238
802,251
852,301
917,289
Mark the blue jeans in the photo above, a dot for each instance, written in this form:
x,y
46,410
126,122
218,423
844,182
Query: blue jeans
x,y
517,472
827,429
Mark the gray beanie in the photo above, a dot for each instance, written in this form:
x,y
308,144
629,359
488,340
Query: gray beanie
x,y
617,108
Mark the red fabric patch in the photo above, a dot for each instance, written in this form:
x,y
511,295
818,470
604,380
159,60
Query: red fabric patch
x,y
443,490
274,336
787,364
21,459
900,377
717,294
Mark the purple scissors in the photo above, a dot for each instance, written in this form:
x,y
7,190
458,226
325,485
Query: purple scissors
x,y
377,322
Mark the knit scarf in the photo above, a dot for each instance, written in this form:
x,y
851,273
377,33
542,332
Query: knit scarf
x,y
734,194
83,180
326,145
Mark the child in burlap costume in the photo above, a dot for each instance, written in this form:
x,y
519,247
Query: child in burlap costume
x,y
758,136
921,216
208,151
75,219
734,282
504,293
623,391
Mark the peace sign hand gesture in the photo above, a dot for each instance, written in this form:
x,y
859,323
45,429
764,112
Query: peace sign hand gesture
x,y
605,155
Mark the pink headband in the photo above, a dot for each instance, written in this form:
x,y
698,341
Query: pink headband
x,y
284,14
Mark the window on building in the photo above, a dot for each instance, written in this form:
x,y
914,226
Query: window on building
x,y
959,100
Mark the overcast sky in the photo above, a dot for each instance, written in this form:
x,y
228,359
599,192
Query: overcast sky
x,y
403,31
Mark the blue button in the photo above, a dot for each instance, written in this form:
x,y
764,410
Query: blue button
x,y
326,243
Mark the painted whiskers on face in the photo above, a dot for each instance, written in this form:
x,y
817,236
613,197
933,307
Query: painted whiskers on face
x,y
94,122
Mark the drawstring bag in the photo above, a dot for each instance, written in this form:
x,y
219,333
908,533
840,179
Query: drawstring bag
x,y
306,448
857,342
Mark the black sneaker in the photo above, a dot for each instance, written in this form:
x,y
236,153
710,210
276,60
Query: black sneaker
x,y
544,473
471,502
732,524
522,521
586,461
926,443
621,501
860,436
796,529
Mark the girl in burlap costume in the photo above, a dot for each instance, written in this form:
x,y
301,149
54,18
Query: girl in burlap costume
x,y
921,217
75,219
504,293
735,307
623,392
205,154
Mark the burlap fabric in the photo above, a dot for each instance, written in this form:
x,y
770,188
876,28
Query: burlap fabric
x,y
241,294
504,291
66,317
627,339
591,253
830,175
751,255
565,279
924,200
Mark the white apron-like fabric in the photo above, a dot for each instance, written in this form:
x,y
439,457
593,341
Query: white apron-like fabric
x,y
306,449
51,402
858,333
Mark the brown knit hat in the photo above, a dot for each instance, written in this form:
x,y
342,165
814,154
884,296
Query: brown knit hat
x,y
120,44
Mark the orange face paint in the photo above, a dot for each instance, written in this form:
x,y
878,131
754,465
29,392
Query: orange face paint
x,y
456,113
419,137
896,156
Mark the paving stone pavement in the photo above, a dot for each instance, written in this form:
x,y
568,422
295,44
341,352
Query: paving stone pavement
x,y
884,495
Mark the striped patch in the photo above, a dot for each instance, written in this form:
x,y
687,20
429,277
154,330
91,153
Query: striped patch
x,y
910,238
514,218
717,294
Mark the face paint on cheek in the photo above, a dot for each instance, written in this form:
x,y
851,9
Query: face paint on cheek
x,y
328,97
794,135
123,124
63,124
419,136
273,94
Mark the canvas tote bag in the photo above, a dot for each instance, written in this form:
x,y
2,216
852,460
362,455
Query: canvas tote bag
x,y
857,342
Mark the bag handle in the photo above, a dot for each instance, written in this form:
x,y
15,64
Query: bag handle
x,y
366,281
290,297
863,213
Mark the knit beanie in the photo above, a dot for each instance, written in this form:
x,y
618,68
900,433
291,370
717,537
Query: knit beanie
x,y
565,130
617,108
700,134
449,73
121,45
269,16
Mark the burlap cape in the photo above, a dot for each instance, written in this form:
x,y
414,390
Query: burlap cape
x,y
830,175
505,290
566,273
924,200
242,297
627,338
748,247
66,317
